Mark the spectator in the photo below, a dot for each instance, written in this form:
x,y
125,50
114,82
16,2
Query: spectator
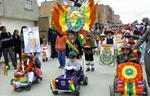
x,y
17,44
97,31
7,47
22,38
52,35
61,48
145,38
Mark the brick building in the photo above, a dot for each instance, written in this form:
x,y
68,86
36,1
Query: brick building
x,y
105,15
16,13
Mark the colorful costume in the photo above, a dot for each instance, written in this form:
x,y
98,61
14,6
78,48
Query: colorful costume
x,y
45,52
88,49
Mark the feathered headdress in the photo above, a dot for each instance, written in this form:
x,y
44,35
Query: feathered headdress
x,y
77,19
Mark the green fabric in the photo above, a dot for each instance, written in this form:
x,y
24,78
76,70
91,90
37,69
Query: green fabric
x,y
128,89
132,89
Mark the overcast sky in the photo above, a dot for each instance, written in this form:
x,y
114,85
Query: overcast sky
x,y
129,10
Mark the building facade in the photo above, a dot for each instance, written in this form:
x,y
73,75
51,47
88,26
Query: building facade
x,y
105,15
17,13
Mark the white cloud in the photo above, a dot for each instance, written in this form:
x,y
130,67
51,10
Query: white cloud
x,y
129,10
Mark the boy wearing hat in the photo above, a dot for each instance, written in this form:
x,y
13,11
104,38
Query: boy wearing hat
x,y
73,63
127,55
131,42
88,49
109,39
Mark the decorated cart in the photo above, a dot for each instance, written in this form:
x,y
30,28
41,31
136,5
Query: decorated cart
x,y
129,81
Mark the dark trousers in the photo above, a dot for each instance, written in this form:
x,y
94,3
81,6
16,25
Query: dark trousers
x,y
147,66
38,63
18,51
53,51
9,51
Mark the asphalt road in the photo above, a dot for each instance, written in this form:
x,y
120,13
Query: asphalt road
x,y
99,81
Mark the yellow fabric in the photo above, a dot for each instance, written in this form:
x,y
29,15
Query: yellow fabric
x,y
87,19
63,22
129,67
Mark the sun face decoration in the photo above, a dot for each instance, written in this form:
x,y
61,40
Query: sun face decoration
x,y
75,19
130,72
78,19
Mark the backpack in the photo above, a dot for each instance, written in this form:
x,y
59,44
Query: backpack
x,y
60,43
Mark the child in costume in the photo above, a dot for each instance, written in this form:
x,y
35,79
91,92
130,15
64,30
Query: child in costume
x,y
45,51
127,55
102,38
88,50
27,69
132,42
110,39
73,44
73,64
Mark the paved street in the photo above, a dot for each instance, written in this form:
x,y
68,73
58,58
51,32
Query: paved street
x,y
98,82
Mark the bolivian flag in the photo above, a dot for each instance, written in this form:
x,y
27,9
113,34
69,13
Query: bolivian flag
x,y
6,68
53,84
71,85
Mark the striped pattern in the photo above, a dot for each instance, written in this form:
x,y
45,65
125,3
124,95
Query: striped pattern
x,y
72,47
71,85
53,84
6,70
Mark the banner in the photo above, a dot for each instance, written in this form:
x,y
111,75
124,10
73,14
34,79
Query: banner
x,y
107,54
31,40
119,41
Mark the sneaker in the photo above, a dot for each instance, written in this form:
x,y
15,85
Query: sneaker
x,y
15,68
46,59
43,60
60,67
29,86
92,69
88,69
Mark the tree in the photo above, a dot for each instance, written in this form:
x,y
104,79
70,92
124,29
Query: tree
x,y
135,22
145,20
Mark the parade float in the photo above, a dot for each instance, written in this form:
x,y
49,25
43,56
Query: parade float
x,y
20,80
80,20
129,81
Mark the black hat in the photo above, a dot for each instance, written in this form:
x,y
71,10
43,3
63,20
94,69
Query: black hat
x,y
109,32
126,47
2,27
72,55
72,32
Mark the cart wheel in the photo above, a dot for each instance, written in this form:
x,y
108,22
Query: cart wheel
x,y
55,92
112,92
85,81
28,87
18,89
77,91
145,89
118,94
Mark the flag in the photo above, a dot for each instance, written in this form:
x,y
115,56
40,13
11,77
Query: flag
x,y
71,85
53,84
6,68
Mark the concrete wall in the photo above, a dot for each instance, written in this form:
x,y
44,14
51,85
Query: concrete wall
x,y
12,24
1,8
16,9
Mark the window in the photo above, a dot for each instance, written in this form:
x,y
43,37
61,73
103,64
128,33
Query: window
x,y
28,4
